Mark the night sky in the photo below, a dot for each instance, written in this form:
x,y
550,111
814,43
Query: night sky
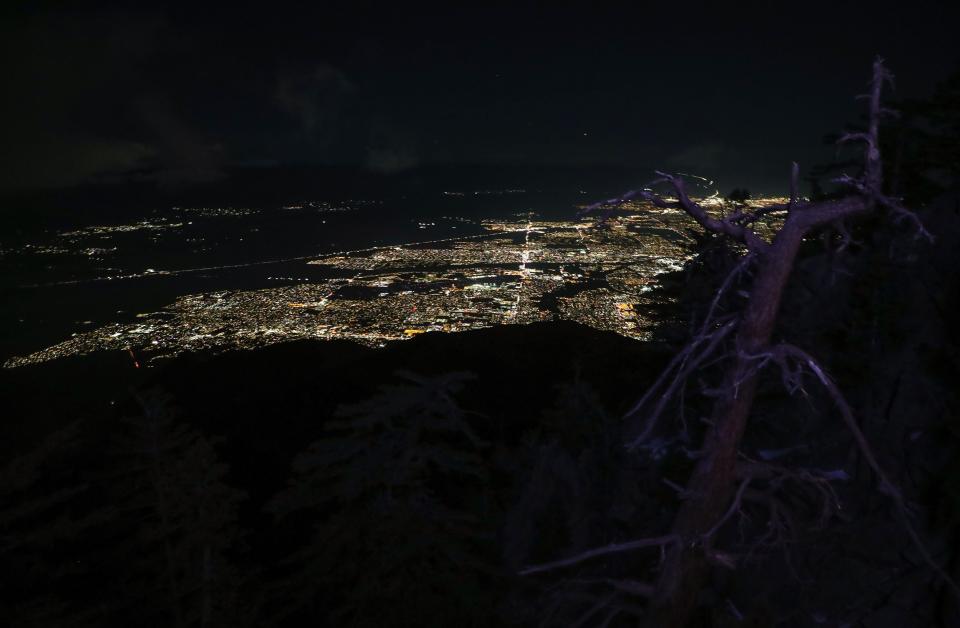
x,y
179,94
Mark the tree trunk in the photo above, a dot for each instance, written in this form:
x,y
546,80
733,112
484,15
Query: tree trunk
x,y
712,485
710,490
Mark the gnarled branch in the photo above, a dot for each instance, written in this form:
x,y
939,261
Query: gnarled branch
x,y
780,354
614,548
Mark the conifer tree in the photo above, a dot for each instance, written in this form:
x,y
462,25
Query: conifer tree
x,y
180,519
394,542
580,489
42,517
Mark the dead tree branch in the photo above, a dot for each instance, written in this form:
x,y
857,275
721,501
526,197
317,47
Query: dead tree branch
x,y
614,548
684,363
734,507
712,492
782,353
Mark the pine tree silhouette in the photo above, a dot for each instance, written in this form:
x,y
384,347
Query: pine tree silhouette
x,y
41,519
581,489
183,520
394,544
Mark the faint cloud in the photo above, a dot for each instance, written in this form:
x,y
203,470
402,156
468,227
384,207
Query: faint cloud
x,y
313,98
67,74
82,110
63,161
391,147
391,160
182,155
705,156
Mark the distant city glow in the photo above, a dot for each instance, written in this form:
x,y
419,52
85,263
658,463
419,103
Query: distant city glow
x,y
519,271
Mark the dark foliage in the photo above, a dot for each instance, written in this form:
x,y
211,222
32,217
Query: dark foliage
x,y
395,538
738,195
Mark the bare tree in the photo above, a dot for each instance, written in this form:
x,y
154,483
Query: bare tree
x,y
722,474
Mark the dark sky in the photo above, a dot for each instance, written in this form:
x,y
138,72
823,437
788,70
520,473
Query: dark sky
x,y
179,93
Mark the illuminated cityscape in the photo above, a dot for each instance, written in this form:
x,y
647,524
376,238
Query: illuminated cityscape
x,y
519,270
